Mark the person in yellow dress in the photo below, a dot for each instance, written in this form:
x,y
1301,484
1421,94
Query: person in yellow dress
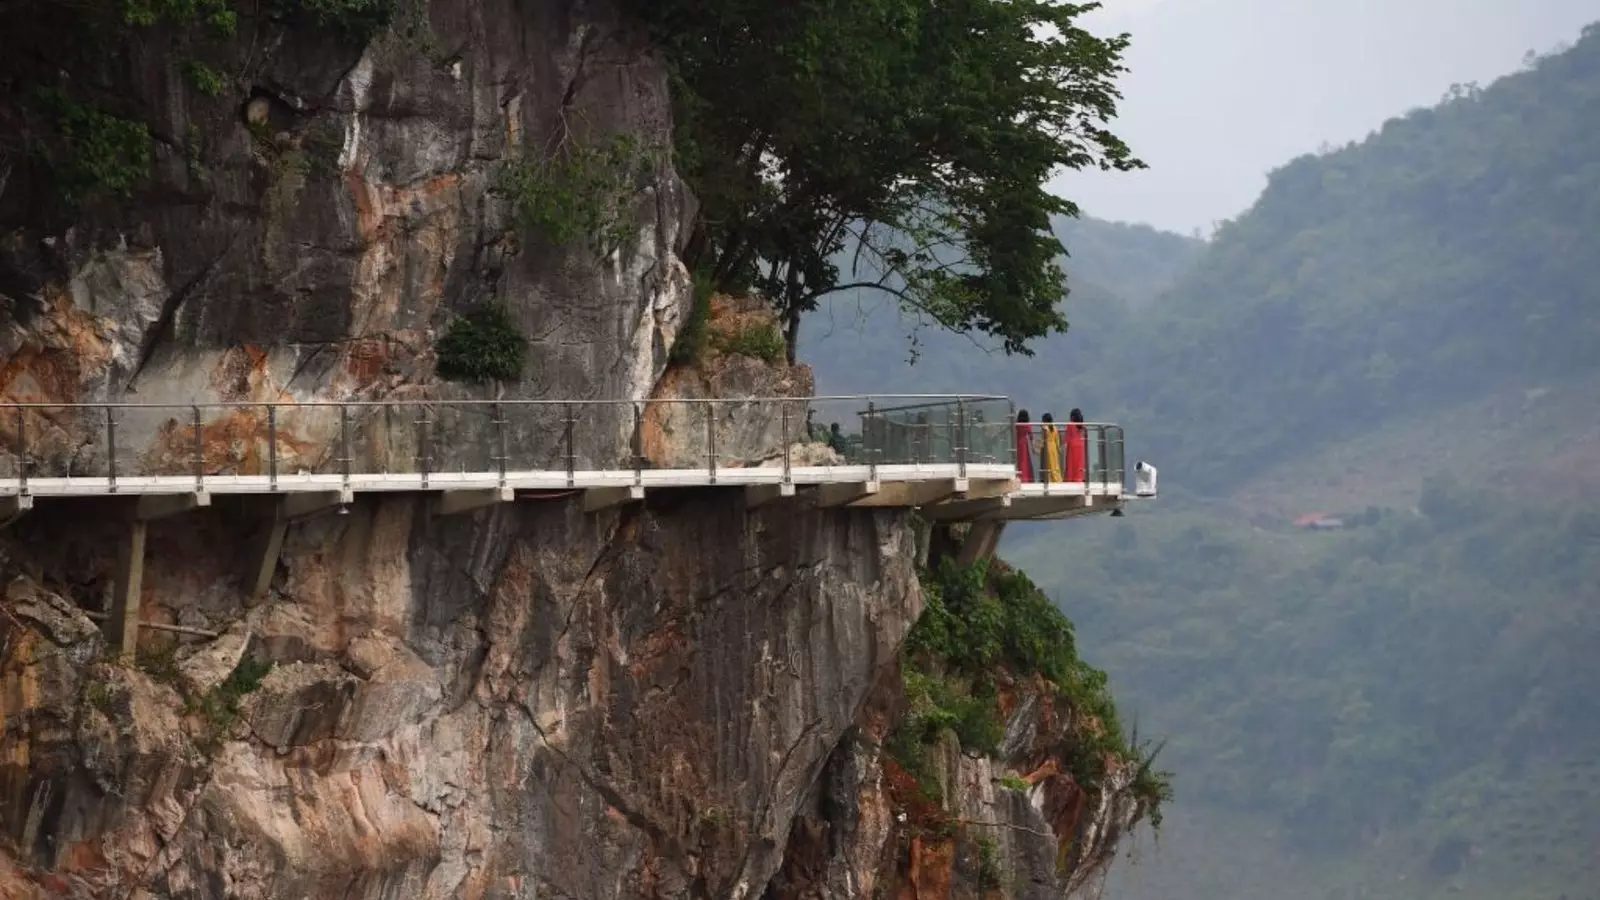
x,y
1051,455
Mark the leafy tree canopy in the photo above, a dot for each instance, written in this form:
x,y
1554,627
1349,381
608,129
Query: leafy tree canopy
x,y
918,136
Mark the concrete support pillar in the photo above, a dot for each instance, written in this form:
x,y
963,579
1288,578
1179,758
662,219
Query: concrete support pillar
x,y
264,559
982,539
122,625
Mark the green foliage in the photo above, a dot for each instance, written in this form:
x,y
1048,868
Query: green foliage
x,y
921,135
979,620
220,708
358,20
483,345
757,341
1013,783
579,191
989,871
691,339
203,78
217,15
93,153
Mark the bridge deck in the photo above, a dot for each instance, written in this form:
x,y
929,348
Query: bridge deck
x,y
954,458
956,453
987,492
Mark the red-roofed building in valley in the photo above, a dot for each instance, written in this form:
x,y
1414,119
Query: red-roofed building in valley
x,y
1319,522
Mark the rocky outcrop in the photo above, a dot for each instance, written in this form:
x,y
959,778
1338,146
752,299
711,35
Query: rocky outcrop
x,y
680,431
536,703
1016,825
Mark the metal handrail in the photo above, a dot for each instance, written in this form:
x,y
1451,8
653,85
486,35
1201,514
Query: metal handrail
x,y
399,436
335,404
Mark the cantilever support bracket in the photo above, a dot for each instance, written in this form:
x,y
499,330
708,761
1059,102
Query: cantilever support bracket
x,y
597,499
967,510
982,539
160,506
908,494
13,505
758,495
987,488
301,504
452,503
262,561
843,493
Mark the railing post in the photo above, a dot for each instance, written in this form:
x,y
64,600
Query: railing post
x,y
344,443
783,405
503,448
22,449
111,448
638,442
424,454
1011,432
571,454
961,435
711,438
1105,460
869,427
199,451
272,447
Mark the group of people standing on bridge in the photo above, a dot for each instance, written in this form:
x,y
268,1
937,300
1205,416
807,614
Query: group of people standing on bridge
x,y
1052,453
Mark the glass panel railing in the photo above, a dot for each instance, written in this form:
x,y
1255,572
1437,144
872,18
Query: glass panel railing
x,y
482,437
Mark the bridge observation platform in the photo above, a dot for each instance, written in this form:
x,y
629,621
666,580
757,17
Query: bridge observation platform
x,y
952,457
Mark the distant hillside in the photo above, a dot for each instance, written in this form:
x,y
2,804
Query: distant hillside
x,y
862,341
1449,256
1134,262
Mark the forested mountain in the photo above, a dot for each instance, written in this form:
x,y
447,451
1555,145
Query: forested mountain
x,y
1449,255
1404,332
863,341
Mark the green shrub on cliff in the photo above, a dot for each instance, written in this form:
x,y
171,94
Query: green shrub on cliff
x,y
579,191
761,341
357,19
483,345
92,151
691,340
989,618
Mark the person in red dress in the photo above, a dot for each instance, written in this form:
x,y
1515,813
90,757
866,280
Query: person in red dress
x,y
1024,447
1077,448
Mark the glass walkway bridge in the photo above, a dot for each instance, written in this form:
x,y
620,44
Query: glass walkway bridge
x,y
954,458
954,455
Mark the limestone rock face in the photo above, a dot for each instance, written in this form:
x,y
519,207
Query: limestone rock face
x,y
1015,826
680,431
314,242
532,702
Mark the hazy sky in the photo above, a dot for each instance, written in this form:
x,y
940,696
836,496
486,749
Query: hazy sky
x,y
1222,91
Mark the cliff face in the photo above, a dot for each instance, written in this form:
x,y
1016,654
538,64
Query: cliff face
x,y
535,703
673,699
306,233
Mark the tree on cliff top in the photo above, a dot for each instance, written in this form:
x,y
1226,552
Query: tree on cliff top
x,y
915,137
